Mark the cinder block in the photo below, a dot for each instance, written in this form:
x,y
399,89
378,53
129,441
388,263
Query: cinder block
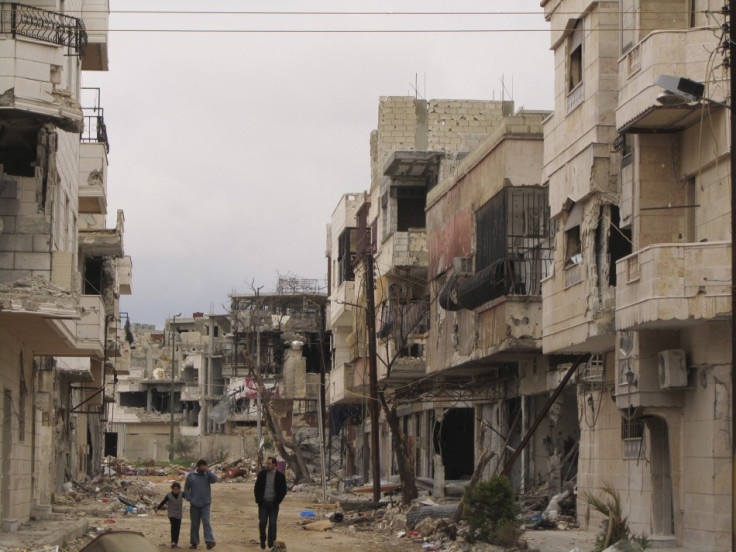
x,y
7,258
33,261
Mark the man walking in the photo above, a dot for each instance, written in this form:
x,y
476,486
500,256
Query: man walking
x,y
270,490
198,491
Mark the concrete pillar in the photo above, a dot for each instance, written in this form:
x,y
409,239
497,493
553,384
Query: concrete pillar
x,y
438,486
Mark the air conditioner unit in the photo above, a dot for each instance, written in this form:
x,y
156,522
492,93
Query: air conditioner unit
x,y
463,266
672,369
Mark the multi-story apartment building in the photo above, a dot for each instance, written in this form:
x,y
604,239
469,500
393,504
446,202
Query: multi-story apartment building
x,y
486,379
61,270
193,383
417,143
641,279
188,358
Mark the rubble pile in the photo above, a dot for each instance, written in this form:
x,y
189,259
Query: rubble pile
x,y
105,496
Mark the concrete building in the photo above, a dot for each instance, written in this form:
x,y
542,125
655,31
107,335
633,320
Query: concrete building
x,y
486,379
61,270
208,361
188,356
417,144
641,278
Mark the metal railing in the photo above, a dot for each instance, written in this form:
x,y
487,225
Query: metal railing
x,y
56,28
94,120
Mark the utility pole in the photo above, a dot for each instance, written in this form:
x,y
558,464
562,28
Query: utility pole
x,y
370,313
259,412
171,391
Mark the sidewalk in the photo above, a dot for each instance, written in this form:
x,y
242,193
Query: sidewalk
x,y
35,535
565,541
560,541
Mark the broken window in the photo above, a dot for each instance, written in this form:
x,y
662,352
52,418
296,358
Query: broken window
x,y
573,244
410,203
575,57
620,244
93,276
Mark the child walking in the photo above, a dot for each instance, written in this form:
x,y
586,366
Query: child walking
x,y
174,501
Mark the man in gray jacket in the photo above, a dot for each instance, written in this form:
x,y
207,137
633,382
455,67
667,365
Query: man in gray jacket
x,y
197,490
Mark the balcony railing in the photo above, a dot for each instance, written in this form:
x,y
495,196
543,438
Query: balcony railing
x,y
56,28
94,119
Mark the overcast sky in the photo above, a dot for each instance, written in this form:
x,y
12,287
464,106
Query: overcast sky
x,y
230,150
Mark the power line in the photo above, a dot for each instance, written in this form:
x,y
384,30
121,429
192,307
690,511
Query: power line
x,y
372,13
350,31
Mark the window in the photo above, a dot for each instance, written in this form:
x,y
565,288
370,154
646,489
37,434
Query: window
x,y
573,245
346,245
410,204
575,58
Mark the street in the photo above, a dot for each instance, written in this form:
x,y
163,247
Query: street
x,y
235,524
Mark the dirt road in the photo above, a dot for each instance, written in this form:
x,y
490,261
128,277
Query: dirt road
x,y
235,525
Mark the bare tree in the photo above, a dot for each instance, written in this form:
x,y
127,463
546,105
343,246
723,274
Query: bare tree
x,y
289,450
403,325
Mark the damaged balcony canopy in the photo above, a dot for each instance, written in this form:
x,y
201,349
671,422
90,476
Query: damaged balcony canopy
x,y
414,165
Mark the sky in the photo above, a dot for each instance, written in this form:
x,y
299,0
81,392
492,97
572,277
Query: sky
x,y
229,150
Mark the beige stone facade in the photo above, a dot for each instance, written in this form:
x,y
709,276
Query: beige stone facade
x,y
636,292
60,325
642,273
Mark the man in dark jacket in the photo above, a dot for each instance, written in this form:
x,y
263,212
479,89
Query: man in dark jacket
x,y
270,490
199,494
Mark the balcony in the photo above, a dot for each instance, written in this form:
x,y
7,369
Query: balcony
x,y
673,286
341,310
125,275
683,53
405,250
103,242
575,318
96,17
31,63
93,151
91,327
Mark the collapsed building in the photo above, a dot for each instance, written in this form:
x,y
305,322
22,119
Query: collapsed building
x,y
197,378
61,270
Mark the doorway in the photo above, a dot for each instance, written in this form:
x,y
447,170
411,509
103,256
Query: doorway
x,y
662,509
454,440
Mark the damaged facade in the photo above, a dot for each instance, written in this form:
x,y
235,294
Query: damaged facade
x,y
209,361
61,270
575,277
642,278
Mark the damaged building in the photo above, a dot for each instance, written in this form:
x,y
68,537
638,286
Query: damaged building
x,y
187,357
641,279
417,144
575,272
280,338
486,378
194,381
61,270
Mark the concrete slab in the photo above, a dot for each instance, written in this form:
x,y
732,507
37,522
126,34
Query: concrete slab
x,y
37,534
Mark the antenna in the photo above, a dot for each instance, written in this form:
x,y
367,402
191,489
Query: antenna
x,y
504,90
415,87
